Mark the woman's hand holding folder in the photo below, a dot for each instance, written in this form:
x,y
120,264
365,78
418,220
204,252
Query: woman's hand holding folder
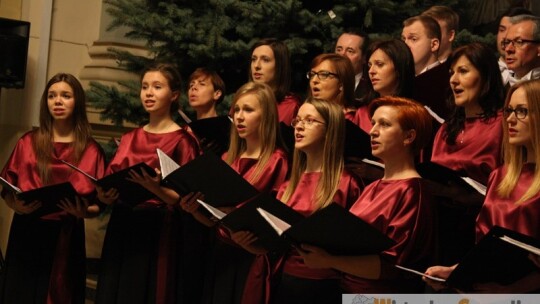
x,y
107,197
80,208
246,240
20,206
189,204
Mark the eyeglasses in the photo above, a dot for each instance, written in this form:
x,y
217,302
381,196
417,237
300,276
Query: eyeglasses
x,y
517,43
321,74
520,112
306,122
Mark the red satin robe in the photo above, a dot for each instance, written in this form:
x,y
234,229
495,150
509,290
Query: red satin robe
x,y
477,151
45,259
287,108
302,201
272,175
144,253
401,209
523,217
362,119
229,265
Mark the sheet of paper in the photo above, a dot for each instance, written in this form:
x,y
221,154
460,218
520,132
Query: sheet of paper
x,y
10,185
421,274
515,242
167,165
79,170
278,224
476,185
214,211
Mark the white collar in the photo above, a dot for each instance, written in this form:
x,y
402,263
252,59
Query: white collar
x,y
357,78
436,63
533,74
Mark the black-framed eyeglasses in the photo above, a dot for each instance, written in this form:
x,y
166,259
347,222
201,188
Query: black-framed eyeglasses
x,y
321,74
520,112
517,43
306,122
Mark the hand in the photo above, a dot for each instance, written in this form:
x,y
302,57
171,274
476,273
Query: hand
x,y
81,208
189,203
107,197
152,184
21,207
246,240
314,257
442,272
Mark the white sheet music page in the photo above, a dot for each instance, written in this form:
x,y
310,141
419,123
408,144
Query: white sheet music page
x,y
9,185
434,115
278,224
421,274
476,185
515,242
167,165
214,211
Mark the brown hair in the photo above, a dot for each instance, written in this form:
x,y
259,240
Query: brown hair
x,y
345,75
214,77
42,140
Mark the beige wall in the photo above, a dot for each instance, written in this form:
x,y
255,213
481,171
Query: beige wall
x,y
62,36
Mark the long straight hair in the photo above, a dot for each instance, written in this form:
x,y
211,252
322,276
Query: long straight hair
x,y
515,156
43,137
333,162
281,83
269,132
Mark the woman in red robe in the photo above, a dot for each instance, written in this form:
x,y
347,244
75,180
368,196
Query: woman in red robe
x,y
331,78
45,259
270,64
513,194
317,179
391,73
469,142
151,253
255,153
397,205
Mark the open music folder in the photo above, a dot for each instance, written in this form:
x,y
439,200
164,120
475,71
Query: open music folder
x,y
214,130
248,218
494,259
445,176
210,175
332,228
49,196
129,192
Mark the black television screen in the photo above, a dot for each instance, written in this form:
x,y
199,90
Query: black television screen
x,y
14,36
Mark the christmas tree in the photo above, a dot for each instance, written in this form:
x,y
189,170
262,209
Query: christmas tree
x,y
218,34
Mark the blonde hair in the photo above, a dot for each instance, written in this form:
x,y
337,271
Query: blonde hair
x,y
333,149
269,132
514,156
